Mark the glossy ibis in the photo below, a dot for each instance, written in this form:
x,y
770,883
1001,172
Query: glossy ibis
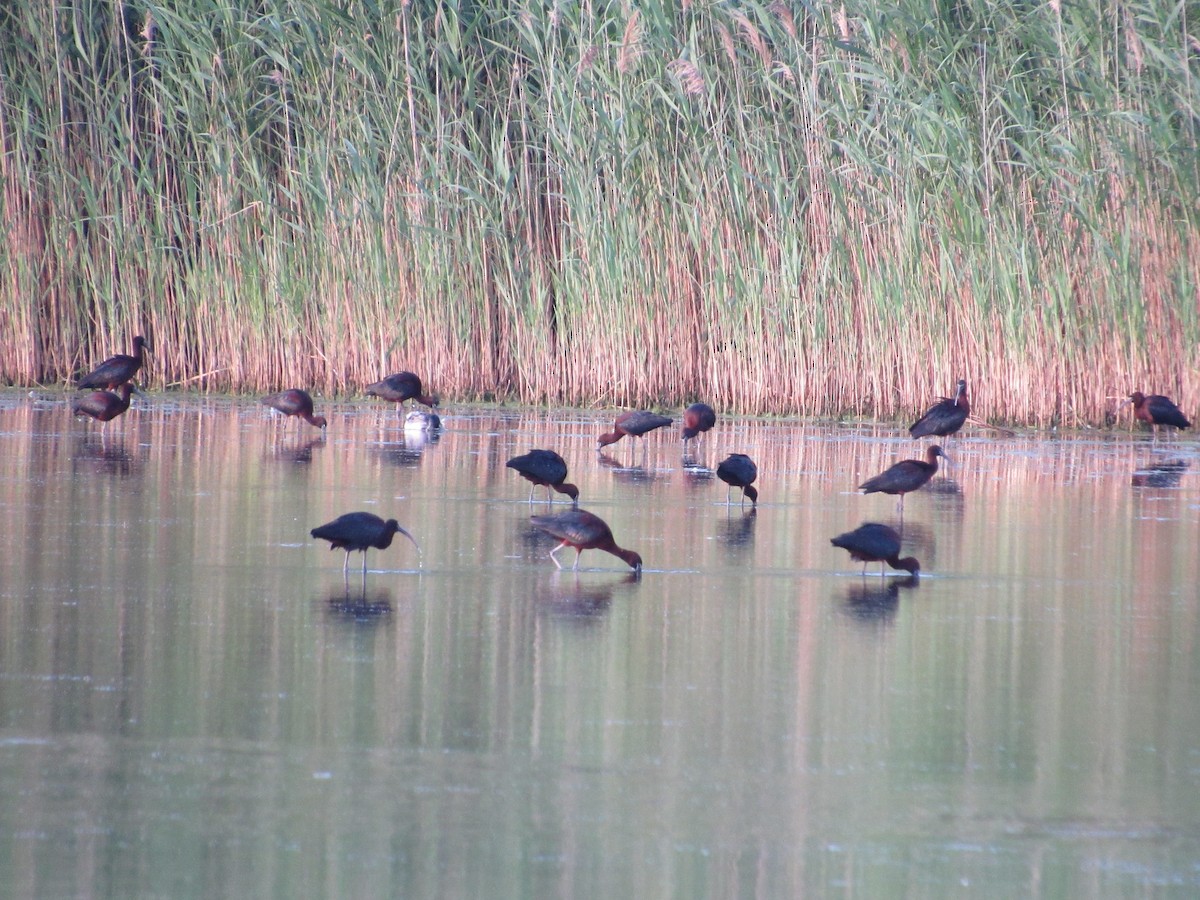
x,y
738,470
360,531
116,370
544,467
103,406
1157,410
697,419
872,542
583,531
400,387
294,402
636,424
905,476
946,416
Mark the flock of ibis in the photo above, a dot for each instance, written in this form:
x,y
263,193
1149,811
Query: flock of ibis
x,y
112,384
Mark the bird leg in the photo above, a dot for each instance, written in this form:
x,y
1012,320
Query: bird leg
x,y
555,558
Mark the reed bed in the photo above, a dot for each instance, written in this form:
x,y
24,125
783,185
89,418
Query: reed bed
x,y
781,208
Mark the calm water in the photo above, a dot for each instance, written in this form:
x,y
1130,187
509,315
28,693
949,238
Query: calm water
x,y
194,704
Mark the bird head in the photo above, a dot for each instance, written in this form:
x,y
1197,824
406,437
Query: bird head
x,y
633,559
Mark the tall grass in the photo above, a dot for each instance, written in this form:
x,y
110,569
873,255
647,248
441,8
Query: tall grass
x,y
778,207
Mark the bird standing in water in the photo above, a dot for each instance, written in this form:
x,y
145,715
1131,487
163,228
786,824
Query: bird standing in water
x,y
583,531
635,424
905,476
360,531
872,542
738,470
294,402
103,406
419,421
116,370
946,416
400,387
547,468
1157,410
697,419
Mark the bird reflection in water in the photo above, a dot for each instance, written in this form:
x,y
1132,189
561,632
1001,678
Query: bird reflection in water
x,y
407,452
947,496
737,530
872,601
356,603
634,474
1160,475
300,453
566,594
104,455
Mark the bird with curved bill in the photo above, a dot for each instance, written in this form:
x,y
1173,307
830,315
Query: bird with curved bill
x,y
360,531
583,530
116,370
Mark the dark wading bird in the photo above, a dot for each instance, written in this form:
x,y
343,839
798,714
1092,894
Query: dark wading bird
x,y
116,370
420,422
583,531
946,416
294,402
738,470
400,387
635,424
103,406
1157,410
544,467
872,542
697,419
905,476
360,531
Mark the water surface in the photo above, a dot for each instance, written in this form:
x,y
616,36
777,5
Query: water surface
x,y
194,702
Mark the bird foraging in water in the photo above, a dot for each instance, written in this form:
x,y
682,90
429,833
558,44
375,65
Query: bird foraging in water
x,y
420,421
400,387
738,470
360,531
905,476
697,419
1157,410
103,406
116,370
294,402
544,467
583,531
872,542
635,424
946,416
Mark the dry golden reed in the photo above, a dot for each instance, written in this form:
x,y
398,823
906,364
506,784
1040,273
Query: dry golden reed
x,y
564,206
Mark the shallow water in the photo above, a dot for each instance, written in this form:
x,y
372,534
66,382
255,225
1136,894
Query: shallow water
x,y
194,702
